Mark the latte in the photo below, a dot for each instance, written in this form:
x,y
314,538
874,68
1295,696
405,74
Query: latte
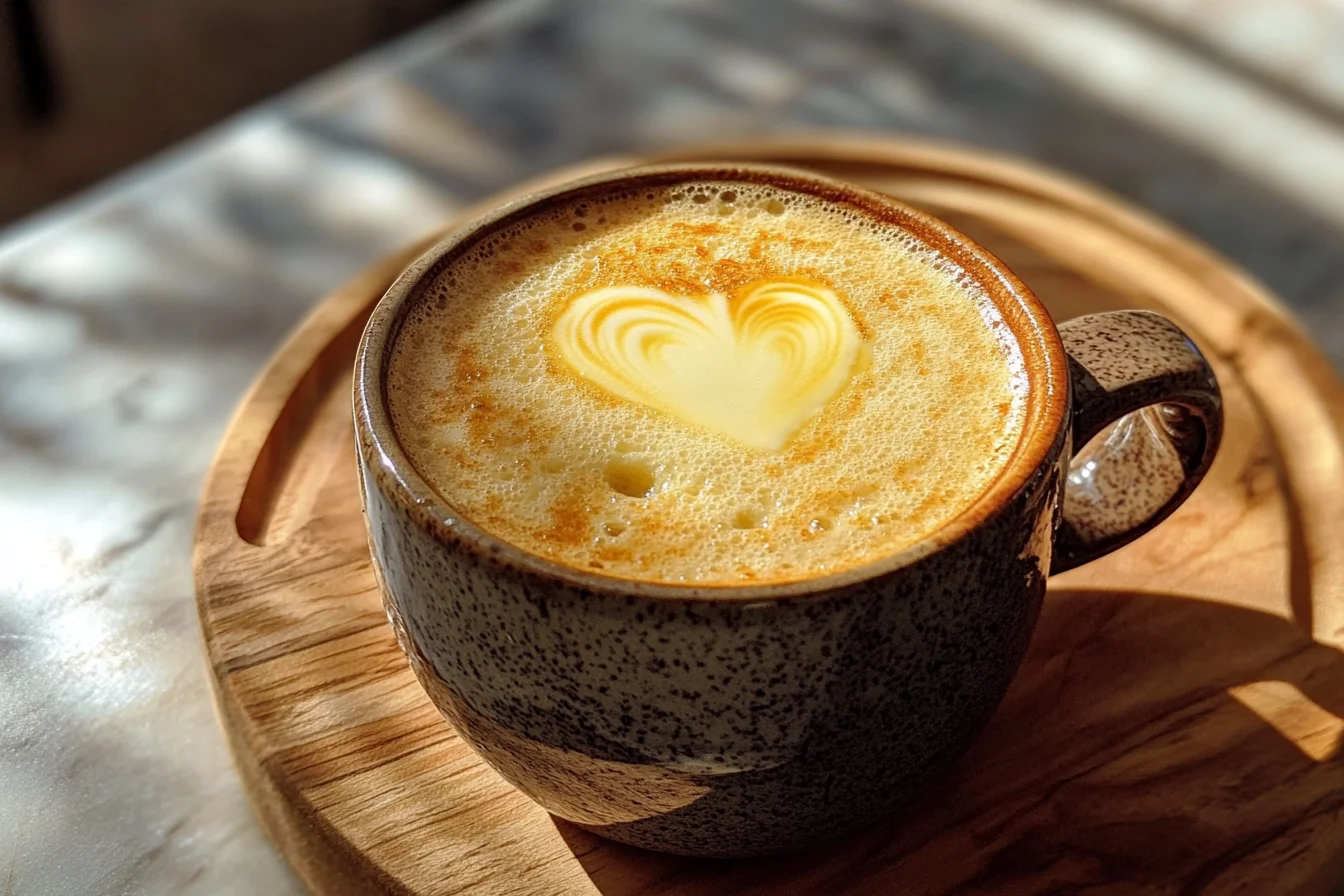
x,y
714,382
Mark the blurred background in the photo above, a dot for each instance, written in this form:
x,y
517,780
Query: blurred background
x,y
88,86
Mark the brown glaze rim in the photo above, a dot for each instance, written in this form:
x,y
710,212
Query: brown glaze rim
x,y
1043,431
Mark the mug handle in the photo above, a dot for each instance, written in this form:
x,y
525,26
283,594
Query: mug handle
x,y
1138,374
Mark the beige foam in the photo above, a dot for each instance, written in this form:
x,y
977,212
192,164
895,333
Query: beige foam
x,y
908,417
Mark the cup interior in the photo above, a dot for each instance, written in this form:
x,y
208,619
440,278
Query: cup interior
x,y
1047,398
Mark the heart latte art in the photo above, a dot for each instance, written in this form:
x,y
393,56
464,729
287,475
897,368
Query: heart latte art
x,y
715,382
753,368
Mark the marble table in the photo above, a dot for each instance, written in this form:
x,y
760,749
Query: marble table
x,y
132,318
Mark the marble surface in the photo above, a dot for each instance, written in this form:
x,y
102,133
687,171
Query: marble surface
x,y
1243,125
132,319
1300,42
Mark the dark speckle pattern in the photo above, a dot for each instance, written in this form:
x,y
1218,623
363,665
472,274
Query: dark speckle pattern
x,y
767,718
1138,374
716,727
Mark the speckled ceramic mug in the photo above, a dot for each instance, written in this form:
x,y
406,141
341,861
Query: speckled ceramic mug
x,y
730,721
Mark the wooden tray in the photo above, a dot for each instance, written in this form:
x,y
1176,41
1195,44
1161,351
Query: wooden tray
x,y
1176,727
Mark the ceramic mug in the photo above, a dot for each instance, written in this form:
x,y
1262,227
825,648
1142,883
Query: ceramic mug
x,y
731,721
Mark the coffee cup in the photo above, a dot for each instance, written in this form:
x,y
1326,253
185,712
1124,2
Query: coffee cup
x,y
713,504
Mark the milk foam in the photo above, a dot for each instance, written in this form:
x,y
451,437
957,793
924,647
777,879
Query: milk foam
x,y
843,391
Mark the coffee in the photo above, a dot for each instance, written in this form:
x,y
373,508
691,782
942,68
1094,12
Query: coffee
x,y
711,382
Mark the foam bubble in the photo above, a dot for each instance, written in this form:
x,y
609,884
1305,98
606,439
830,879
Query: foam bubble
x,y
523,446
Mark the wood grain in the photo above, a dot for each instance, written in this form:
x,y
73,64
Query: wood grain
x,y
1175,729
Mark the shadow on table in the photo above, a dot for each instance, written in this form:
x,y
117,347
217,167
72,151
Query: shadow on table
x,y
1151,741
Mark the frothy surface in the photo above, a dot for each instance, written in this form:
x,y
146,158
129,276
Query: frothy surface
x,y
712,382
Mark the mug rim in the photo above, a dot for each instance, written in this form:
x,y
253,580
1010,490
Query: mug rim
x,y
1045,362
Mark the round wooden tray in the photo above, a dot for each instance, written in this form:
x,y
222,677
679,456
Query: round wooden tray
x,y
1175,729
